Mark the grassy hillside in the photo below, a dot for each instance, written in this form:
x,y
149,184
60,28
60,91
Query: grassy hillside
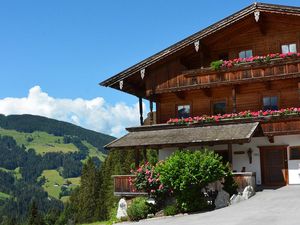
x,y
54,182
60,150
43,142
32,123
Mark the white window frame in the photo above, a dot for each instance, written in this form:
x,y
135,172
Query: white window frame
x,y
287,48
246,53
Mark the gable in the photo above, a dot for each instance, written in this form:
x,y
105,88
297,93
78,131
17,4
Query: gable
x,y
183,53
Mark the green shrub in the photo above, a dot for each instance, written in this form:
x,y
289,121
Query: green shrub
x,y
187,172
138,209
216,65
170,210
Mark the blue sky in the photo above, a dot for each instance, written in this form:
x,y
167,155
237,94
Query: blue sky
x,y
68,46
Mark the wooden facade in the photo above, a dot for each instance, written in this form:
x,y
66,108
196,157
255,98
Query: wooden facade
x,y
181,75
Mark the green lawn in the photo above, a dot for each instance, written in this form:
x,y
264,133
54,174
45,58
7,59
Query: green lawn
x,y
3,196
54,182
74,180
42,142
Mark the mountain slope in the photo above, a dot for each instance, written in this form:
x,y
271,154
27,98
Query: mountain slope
x,y
30,123
41,160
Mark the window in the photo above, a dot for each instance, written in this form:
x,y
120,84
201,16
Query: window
x,y
288,48
245,54
294,152
183,111
219,108
270,103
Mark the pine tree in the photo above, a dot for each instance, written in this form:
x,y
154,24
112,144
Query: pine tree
x,y
34,217
117,163
88,193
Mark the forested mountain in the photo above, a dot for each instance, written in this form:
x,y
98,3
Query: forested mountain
x,y
41,161
31,123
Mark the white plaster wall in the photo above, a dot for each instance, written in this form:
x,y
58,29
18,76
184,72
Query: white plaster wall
x,y
290,140
240,161
166,152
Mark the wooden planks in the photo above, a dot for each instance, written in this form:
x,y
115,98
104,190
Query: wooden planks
x,y
248,97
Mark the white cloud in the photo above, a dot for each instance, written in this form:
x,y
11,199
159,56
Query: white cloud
x,y
95,114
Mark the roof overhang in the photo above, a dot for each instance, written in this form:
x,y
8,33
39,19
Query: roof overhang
x,y
185,137
262,7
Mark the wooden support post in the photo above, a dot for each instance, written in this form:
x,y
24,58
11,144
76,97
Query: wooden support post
x,y
144,154
141,111
233,100
137,157
299,91
151,112
230,153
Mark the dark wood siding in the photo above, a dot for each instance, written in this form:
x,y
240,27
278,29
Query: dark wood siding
x,y
248,97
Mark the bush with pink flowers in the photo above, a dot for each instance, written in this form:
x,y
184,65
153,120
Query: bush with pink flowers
x,y
148,180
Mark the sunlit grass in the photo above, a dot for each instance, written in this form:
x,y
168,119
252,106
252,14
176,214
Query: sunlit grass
x,y
42,142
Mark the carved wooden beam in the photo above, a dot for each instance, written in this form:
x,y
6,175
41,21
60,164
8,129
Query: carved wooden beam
x,y
259,22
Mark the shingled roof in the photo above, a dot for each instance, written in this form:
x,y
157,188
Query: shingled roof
x,y
262,7
218,134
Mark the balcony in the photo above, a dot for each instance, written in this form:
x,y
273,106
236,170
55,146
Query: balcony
x,y
274,69
123,186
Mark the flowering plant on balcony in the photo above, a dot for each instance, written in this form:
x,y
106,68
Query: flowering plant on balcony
x,y
233,116
148,180
222,64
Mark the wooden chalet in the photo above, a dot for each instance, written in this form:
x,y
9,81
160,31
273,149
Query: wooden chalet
x,y
245,107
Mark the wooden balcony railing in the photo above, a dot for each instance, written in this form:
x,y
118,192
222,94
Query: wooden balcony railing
x,y
276,68
243,73
123,187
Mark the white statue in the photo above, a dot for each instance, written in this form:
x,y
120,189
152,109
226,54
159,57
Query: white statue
x,y
122,209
